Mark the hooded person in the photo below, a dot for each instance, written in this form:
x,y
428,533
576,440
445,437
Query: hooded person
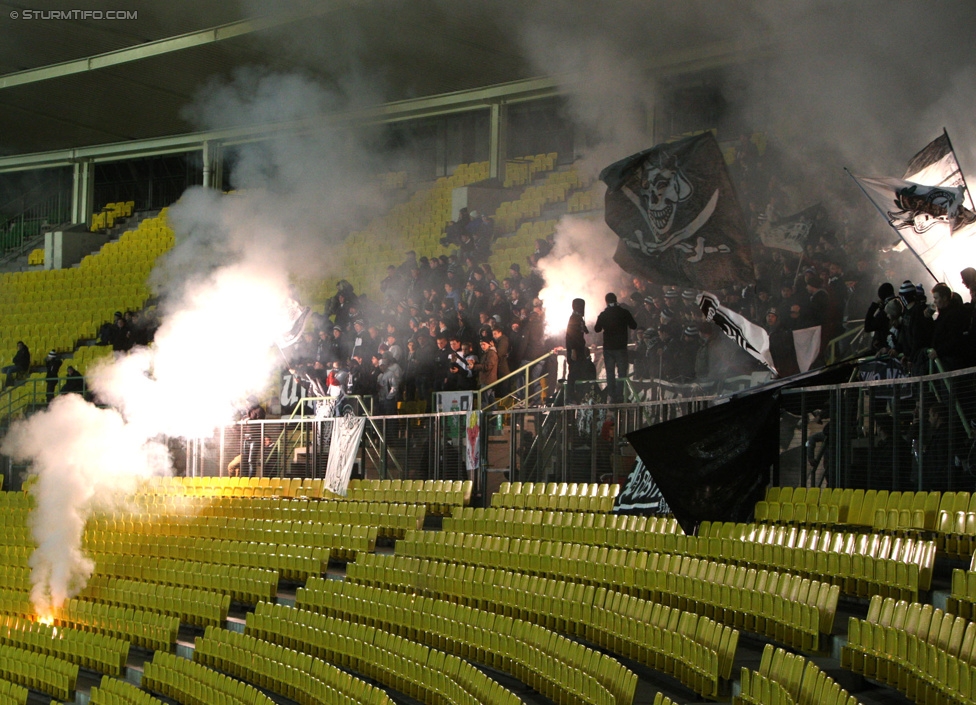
x,y
577,353
52,365
876,320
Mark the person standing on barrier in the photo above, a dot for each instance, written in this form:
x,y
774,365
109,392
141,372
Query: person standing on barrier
x,y
487,369
534,347
614,322
577,354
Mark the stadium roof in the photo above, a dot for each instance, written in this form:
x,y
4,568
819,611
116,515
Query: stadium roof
x,y
76,81
70,80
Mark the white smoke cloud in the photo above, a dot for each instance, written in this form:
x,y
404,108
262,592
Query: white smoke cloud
x,y
580,265
83,457
226,297
839,83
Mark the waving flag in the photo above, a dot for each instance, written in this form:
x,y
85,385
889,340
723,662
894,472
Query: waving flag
x,y
712,465
793,232
925,217
930,208
936,165
675,211
747,335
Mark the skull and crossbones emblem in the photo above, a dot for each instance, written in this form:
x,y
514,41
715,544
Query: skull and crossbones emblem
x,y
662,187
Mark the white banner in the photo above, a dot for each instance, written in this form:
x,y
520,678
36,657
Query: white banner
x,y
925,217
806,342
472,444
347,431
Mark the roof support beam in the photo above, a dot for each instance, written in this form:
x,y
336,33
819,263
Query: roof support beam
x,y
689,61
189,40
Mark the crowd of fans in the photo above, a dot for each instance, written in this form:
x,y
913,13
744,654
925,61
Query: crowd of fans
x,y
444,323
450,322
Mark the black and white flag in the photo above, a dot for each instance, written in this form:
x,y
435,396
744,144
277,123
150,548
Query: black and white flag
x,y
936,165
641,494
677,216
347,431
793,232
925,217
747,335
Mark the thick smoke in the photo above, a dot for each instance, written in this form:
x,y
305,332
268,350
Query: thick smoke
x,y
227,296
837,84
83,458
832,84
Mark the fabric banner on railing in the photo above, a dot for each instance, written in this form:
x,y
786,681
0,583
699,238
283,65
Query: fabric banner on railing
x,y
472,442
887,368
713,465
347,431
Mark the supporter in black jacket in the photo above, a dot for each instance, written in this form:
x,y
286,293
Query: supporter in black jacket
x,y
615,322
577,354
875,320
915,332
949,330
22,361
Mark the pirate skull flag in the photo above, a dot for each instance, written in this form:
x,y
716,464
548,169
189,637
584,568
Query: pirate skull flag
x,y
677,216
925,217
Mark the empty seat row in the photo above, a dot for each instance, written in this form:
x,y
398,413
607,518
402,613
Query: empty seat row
x,y
621,623
189,682
557,667
927,654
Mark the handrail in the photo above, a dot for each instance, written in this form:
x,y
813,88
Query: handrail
x,y
7,408
937,364
851,335
367,412
14,230
524,369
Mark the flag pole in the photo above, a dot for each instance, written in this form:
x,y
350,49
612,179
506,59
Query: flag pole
x,y
798,265
962,174
885,216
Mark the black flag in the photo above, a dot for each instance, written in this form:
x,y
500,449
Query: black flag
x,y
793,232
713,465
677,216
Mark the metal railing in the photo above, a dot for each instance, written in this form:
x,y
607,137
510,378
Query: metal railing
x,y
26,396
529,390
902,433
31,221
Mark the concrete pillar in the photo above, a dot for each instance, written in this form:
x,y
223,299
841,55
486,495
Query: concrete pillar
x,y
498,141
82,192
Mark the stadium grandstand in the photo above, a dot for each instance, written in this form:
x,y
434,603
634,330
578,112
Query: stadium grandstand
x,y
307,317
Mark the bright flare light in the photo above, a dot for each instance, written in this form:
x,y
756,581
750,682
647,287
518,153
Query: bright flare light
x,y
580,266
207,356
214,349
958,254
